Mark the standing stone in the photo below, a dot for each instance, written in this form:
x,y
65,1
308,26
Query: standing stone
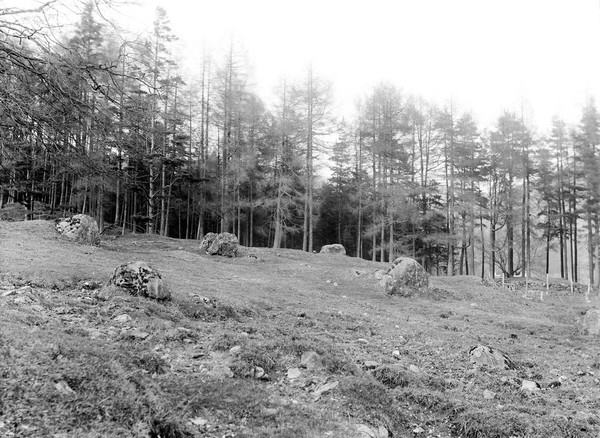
x,y
225,244
405,277
79,228
492,357
591,322
138,278
207,241
335,248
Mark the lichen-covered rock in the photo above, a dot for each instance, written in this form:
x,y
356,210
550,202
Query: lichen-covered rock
x,y
224,244
335,248
207,241
405,277
139,279
80,228
591,322
491,357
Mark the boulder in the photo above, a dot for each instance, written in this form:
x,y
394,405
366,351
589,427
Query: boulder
x,y
224,244
79,228
336,248
591,322
405,277
492,357
139,279
207,241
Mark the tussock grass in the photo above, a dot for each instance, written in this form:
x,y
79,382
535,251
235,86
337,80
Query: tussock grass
x,y
371,402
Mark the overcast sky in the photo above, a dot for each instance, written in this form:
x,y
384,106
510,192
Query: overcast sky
x,y
487,55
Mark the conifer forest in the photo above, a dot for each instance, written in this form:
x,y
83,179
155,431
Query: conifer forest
x,y
100,122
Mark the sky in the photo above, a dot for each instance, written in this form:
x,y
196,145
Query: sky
x,y
541,57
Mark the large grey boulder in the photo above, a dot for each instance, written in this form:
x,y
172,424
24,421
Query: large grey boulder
x,y
80,228
207,241
224,244
405,277
140,279
591,322
335,248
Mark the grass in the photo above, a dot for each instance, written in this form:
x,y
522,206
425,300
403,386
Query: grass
x,y
74,366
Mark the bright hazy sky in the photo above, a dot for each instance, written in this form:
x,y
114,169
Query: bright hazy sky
x,y
487,55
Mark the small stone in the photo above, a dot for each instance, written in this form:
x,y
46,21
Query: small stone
x,y
418,430
122,318
396,354
362,341
221,372
328,281
64,388
554,384
311,360
135,334
402,340
489,395
530,385
198,421
324,389
371,364
9,293
366,431
259,373
294,373
269,412
415,369
235,350
383,432
492,357
90,285
335,284
378,274
23,299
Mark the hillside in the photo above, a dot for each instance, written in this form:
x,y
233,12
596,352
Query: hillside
x,y
227,356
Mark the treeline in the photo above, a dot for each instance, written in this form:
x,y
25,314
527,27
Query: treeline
x,y
96,123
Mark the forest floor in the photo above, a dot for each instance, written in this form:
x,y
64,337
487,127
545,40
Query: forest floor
x,y
227,356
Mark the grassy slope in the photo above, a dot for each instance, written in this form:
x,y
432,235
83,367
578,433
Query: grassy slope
x,y
70,369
